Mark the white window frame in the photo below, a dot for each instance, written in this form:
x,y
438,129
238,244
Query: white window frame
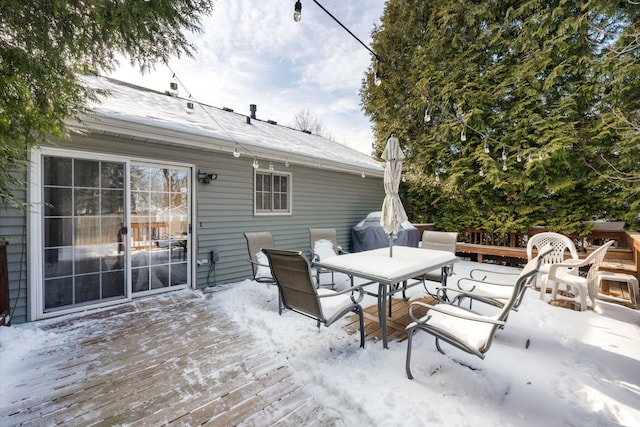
x,y
271,212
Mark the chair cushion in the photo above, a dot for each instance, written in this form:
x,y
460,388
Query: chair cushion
x,y
323,248
475,334
264,270
333,305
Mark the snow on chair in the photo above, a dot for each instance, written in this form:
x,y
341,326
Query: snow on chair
x,y
324,244
463,328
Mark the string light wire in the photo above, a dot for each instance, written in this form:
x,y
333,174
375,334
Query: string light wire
x,y
430,101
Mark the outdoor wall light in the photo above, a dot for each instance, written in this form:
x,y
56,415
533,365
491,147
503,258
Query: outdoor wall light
x,y
297,11
207,177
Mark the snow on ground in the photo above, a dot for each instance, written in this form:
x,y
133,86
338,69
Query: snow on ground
x,y
580,369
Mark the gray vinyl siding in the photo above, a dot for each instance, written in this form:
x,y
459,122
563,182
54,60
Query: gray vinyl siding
x,y
13,230
224,208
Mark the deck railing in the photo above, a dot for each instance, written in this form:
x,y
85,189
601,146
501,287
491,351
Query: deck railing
x,y
510,248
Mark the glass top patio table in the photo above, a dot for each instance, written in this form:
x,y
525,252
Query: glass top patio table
x,y
377,266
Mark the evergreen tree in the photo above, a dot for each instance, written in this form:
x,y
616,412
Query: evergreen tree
x,y
530,110
45,45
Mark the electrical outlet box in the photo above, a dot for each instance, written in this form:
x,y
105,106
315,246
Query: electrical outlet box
x,y
215,257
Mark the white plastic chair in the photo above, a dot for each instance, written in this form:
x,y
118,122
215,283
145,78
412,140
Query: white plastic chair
x,y
565,272
560,244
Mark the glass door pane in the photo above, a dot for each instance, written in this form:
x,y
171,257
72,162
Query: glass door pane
x,y
83,243
159,227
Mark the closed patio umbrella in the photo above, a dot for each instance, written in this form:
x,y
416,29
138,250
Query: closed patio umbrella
x,y
393,213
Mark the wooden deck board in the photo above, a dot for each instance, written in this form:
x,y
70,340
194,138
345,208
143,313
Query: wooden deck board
x,y
161,361
396,324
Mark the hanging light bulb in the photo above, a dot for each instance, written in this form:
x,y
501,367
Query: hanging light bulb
x,y
519,157
190,109
463,134
297,11
173,87
255,165
427,114
504,152
486,147
271,166
286,164
236,152
404,178
377,79
437,177
363,175
481,173
540,155
504,166
530,159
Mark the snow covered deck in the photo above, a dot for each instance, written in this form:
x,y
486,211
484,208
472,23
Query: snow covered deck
x,y
175,359
227,358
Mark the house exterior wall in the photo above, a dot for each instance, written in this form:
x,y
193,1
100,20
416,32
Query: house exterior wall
x,y
223,209
13,229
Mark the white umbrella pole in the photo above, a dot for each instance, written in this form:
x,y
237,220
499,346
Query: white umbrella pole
x,y
390,245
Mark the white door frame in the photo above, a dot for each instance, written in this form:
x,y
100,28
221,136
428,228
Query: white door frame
x,y
35,231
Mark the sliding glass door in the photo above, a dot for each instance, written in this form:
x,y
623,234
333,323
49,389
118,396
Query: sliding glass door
x,y
110,230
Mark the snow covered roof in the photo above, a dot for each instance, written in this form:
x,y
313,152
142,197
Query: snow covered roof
x,y
149,115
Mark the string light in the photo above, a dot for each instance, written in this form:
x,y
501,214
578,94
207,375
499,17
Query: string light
x,y
271,168
504,166
481,173
236,151
378,78
437,177
190,109
504,152
255,164
173,86
297,11
427,114
363,175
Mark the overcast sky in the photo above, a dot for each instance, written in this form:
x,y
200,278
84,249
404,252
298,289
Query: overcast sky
x,y
253,52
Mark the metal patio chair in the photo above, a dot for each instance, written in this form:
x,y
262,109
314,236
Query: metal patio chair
x,y
463,328
292,272
256,241
323,244
440,241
